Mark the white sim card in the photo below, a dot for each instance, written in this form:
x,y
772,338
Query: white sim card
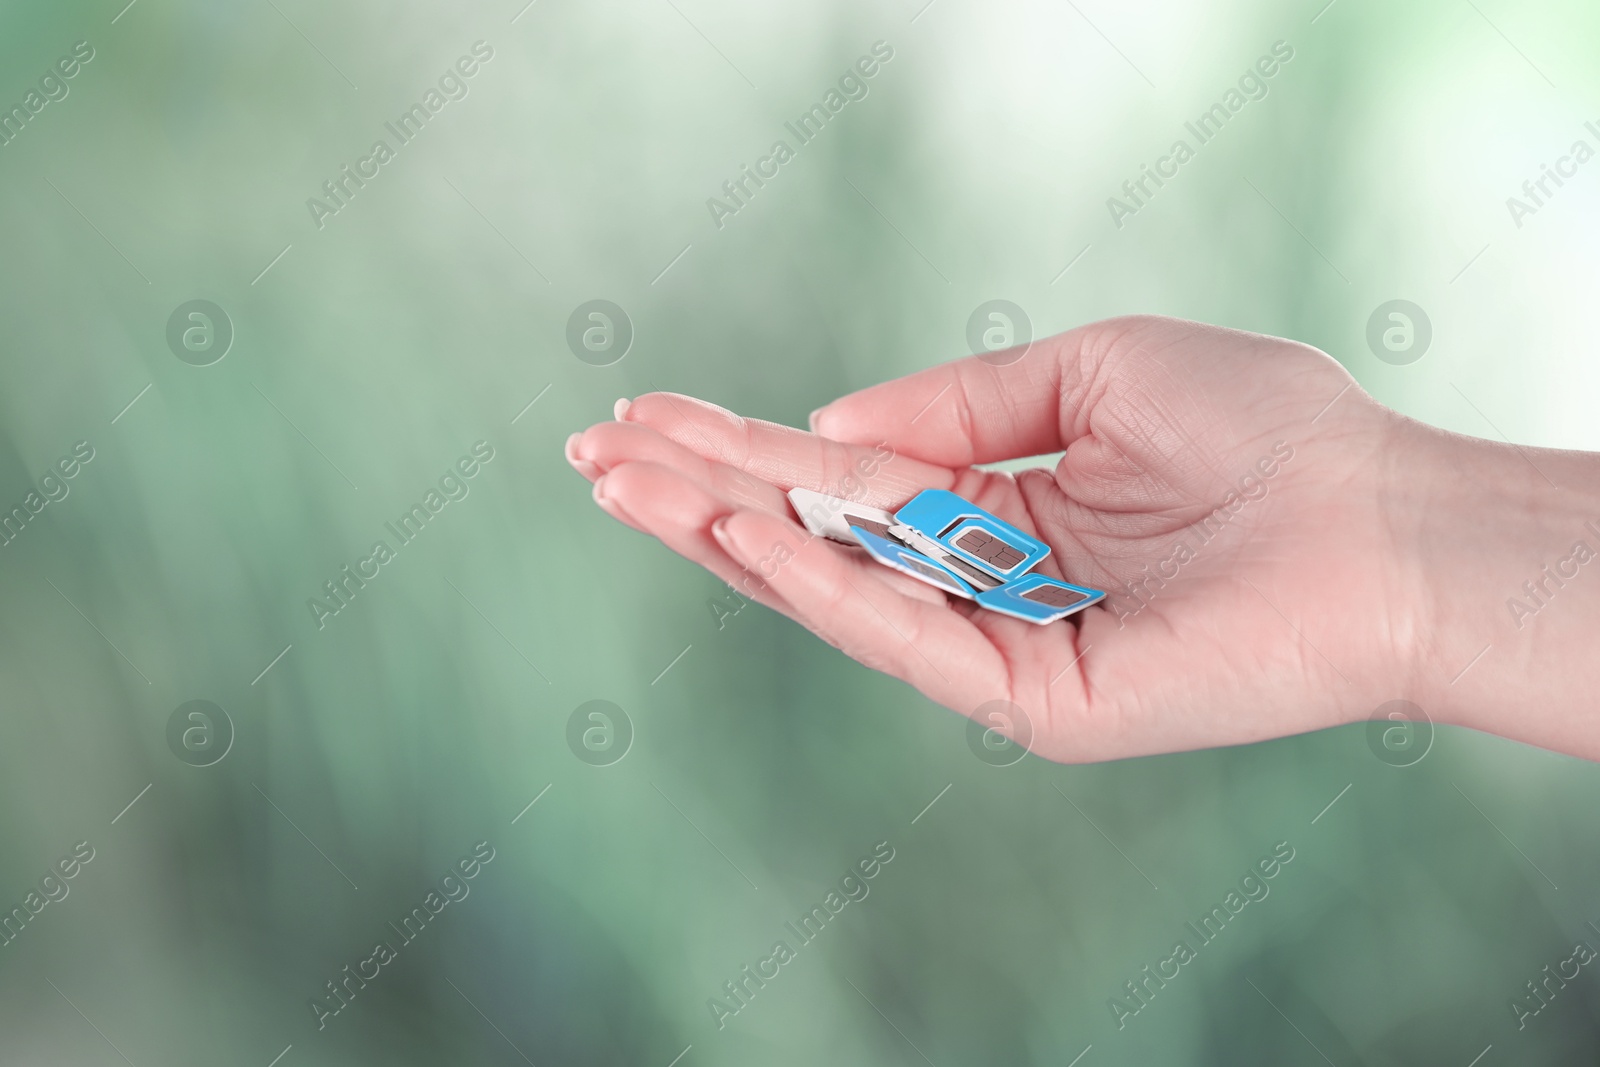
x,y
832,517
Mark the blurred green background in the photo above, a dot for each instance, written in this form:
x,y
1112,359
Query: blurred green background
x,y
428,713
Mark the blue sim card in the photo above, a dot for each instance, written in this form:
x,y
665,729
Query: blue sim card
x,y
904,560
1038,598
972,534
952,544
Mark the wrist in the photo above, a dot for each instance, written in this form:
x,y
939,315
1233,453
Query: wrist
x,y
1506,541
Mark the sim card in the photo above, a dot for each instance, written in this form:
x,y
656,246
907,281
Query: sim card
x,y
894,554
983,540
832,517
916,540
1039,598
952,544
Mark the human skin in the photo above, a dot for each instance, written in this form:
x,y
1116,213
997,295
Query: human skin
x,y
1376,565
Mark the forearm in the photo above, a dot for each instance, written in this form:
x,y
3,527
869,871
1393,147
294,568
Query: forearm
x,y
1508,539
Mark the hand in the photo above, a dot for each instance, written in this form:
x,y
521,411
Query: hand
x,y
1260,523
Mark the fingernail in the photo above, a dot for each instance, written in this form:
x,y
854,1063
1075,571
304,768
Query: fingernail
x,y
611,505
584,467
719,531
811,419
619,410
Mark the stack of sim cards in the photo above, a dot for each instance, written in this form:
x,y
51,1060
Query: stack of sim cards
x,y
952,544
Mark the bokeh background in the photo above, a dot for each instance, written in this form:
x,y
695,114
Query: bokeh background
x,y
370,354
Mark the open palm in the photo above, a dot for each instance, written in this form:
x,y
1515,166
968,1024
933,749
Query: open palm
x,y
1227,489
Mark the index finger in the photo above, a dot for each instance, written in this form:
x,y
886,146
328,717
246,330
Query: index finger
x,y
870,472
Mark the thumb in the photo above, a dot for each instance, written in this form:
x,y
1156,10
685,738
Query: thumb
x,y
1022,401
